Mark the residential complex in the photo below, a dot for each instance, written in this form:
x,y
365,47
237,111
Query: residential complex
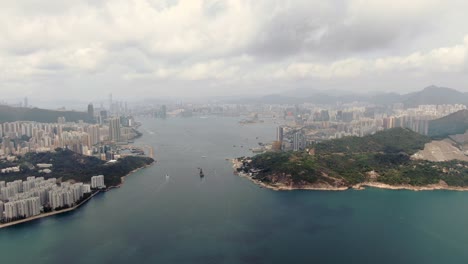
x,y
22,199
21,137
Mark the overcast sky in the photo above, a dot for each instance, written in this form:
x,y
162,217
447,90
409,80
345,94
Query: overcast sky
x,y
86,49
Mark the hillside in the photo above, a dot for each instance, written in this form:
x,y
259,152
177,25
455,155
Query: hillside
x,y
429,95
435,95
11,114
383,158
389,141
456,123
69,165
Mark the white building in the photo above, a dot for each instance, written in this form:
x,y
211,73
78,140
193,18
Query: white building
x,y
97,182
2,208
86,188
23,199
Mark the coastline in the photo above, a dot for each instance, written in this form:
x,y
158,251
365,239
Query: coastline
x,y
22,221
359,186
43,215
122,179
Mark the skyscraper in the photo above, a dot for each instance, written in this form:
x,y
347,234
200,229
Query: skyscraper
x,y
279,134
114,129
298,141
91,110
97,182
94,133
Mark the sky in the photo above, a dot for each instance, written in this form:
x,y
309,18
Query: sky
x,y
86,49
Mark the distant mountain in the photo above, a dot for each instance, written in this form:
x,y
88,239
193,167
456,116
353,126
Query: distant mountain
x,y
456,123
429,95
11,114
435,95
386,98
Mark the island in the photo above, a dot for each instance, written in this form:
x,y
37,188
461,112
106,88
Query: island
x,y
64,181
396,158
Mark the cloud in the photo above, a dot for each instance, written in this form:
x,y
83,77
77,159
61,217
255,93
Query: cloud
x,y
218,44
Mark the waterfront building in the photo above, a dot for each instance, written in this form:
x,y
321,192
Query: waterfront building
x,y
97,182
11,211
2,208
86,188
36,193
279,134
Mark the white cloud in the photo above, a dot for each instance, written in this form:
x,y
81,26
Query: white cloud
x,y
128,43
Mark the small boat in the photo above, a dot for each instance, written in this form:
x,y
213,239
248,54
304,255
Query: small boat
x,y
204,157
201,173
167,177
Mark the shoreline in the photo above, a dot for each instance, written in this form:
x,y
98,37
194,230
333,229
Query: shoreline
x,y
43,215
359,186
122,179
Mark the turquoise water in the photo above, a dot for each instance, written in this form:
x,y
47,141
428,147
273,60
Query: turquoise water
x,y
227,219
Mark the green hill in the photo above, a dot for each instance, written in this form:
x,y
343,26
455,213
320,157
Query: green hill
x,y
456,123
381,158
435,95
69,165
389,141
11,114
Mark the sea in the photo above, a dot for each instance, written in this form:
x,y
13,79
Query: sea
x,y
223,218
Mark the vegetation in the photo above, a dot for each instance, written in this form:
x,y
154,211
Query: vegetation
x,y
456,123
435,95
389,141
351,160
11,114
69,165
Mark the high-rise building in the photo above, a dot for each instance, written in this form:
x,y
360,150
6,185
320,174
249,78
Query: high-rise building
x,y
91,110
114,129
94,133
298,141
1,210
279,134
97,182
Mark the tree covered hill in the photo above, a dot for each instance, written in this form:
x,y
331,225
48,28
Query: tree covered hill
x,y
389,141
11,114
383,157
456,123
435,95
69,165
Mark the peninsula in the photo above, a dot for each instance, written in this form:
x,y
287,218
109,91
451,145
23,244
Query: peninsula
x,y
66,181
397,158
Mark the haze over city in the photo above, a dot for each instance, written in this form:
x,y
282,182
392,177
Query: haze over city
x,y
87,49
